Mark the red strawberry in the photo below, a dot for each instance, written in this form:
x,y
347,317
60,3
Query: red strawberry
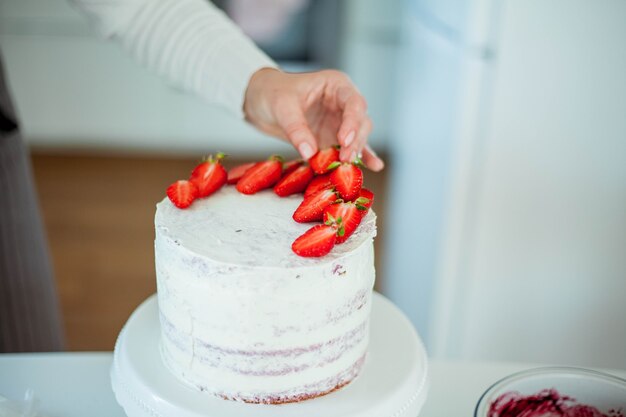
x,y
235,173
182,193
289,167
209,175
315,242
318,183
322,159
347,179
294,182
365,194
261,176
346,215
312,208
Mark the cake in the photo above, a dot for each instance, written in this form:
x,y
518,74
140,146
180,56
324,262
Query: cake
x,y
243,317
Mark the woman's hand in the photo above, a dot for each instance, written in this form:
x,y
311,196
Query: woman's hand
x,y
312,111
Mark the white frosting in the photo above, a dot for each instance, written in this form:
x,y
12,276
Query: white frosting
x,y
243,316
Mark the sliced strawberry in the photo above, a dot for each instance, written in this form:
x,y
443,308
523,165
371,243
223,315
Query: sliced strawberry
x,y
318,183
347,179
323,158
315,242
210,175
235,173
369,195
261,176
346,215
366,199
312,208
182,193
289,167
294,182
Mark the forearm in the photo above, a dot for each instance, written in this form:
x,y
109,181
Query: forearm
x,y
191,42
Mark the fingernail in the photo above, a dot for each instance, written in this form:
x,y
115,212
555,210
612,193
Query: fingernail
x,y
352,156
349,139
305,150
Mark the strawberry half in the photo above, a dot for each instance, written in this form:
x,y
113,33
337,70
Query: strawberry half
x,y
347,179
312,208
210,175
235,173
365,194
294,182
289,167
182,193
346,215
323,158
318,183
261,176
315,242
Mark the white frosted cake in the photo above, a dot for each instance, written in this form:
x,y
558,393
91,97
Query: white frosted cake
x,y
242,316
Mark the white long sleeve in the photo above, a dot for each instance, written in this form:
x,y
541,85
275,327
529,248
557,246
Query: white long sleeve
x,y
191,42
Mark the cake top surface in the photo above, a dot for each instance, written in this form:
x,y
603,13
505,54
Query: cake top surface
x,y
248,230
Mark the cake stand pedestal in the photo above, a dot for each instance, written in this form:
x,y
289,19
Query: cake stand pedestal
x,y
392,383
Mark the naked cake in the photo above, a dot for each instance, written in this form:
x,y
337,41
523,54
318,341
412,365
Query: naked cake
x,y
245,318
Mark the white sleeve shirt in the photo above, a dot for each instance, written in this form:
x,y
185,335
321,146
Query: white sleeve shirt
x,y
191,42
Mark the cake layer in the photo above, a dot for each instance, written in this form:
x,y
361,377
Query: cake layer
x,y
258,323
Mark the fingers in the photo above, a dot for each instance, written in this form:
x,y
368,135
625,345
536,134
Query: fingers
x,y
361,139
348,154
348,109
354,111
291,119
363,150
355,128
371,160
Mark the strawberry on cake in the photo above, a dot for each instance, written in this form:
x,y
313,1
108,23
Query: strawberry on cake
x,y
256,303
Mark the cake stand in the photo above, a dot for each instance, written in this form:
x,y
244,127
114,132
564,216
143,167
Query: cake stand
x,y
392,383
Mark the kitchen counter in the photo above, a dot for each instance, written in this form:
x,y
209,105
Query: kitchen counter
x,y
77,384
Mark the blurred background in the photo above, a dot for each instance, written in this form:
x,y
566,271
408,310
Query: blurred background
x,y
502,231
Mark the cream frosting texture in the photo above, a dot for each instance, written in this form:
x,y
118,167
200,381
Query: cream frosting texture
x,y
245,318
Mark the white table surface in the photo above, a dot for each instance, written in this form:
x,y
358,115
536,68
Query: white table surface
x,y
77,384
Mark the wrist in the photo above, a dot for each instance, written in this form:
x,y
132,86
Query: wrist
x,y
254,96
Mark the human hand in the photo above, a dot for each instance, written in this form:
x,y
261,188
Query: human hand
x,y
312,111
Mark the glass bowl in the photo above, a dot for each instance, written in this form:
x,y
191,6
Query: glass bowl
x,y
604,392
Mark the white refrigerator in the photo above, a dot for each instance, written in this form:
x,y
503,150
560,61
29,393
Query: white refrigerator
x,y
507,215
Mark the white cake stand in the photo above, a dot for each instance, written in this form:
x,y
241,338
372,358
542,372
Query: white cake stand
x,y
392,383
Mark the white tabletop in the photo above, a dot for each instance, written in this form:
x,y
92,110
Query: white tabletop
x,y
77,384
